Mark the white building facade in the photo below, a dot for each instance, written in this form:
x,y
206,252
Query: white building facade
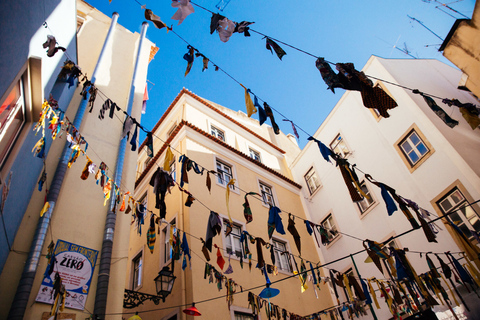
x,y
413,151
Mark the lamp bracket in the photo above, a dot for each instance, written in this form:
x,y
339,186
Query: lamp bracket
x,y
132,299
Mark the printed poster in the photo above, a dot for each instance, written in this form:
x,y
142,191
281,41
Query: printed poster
x,y
75,265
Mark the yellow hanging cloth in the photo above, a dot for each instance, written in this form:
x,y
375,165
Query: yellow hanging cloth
x,y
347,286
227,196
249,103
372,293
168,160
46,206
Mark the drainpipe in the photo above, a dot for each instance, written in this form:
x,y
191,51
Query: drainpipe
x,y
20,301
107,245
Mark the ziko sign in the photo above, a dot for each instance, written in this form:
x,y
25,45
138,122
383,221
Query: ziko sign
x,y
75,265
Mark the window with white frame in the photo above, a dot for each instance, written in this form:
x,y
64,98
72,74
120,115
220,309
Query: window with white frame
x,y
329,225
172,128
255,155
224,173
217,133
167,247
461,213
12,118
339,146
368,201
147,161
243,316
232,241
413,147
281,253
312,180
267,194
137,265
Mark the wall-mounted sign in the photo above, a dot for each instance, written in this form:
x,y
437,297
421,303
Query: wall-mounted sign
x,y
75,265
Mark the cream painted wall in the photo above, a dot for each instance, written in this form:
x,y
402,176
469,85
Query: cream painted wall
x,y
191,286
372,145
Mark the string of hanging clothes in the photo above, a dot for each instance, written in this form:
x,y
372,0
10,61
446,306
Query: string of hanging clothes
x,y
374,97
294,275
112,109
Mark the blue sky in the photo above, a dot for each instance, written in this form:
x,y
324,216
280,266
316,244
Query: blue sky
x,y
339,31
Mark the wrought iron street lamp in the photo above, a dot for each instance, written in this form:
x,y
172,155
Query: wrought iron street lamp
x,y
164,285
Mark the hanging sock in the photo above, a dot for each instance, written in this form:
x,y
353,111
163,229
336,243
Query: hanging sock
x,y
278,50
127,127
151,236
293,231
225,29
185,8
262,115
150,16
247,212
468,110
274,221
107,105
51,44
227,197
208,181
309,227
260,260
113,107
269,113
93,96
86,170
42,180
438,111
168,160
133,141
295,132
243,27
220,260
324,150
39,148
45,208
189,57
229,268
145,99
214,227
189,201
149,144
248,102
328,75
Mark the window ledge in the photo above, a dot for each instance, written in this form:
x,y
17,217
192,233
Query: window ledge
x,y
369,209
334,240
310,197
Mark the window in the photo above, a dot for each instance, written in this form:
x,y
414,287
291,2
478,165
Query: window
x,y
282,261
243,316
267,195
167,248
339,146
145,164
12,119
217,133
465,217
137,264
329,224
224,174
254,155
366,203
413,148
172,128
232,241
312,181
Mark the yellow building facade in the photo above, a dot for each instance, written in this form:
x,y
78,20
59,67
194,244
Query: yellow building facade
x,y
232,146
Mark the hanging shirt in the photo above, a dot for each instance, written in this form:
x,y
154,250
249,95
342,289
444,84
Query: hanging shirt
x,y
185,8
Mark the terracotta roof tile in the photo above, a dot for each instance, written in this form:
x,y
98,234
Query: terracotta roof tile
x,y
220,142
207,104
